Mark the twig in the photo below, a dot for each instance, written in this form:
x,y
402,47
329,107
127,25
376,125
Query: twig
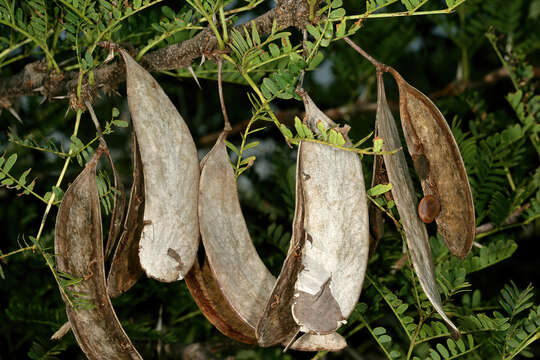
x,y
227,126
512,219
108,76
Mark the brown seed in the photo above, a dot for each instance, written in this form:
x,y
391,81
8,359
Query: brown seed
x,y
439,165
125,267
428,208
171,177
405,199
79,252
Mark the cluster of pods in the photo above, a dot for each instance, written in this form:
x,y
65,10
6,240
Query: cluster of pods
x,y
174,202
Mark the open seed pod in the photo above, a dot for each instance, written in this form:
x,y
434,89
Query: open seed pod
x,y
125,267
232,284
405,199
322,276
171,178
439,165
79,252
204,288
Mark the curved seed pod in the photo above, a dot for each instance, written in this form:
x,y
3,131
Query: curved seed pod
x,y
79,252
206,292
404,197
336,225
233,285
322,276
240,272
171,178
439,165
125,267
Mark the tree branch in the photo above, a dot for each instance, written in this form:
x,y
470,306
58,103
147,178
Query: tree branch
x,y
36,78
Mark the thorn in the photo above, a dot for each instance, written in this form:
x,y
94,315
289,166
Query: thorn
x,y
203,59
293,339
478,245
63,330
110,56
194,76
60,97
14,113
39,89
42,100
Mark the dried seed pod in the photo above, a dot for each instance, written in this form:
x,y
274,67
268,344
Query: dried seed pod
x,y
204,288
439,165
315,291
336,228
171,178
233,284
405,199
125,267
428,208
79,252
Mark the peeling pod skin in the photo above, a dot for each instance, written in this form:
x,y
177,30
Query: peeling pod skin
x,y
322,276
439,165
79,252
233,284
125,267
337,237
171,178
405,200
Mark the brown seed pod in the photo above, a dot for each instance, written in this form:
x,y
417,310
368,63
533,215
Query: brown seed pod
x,y
329,246
125,267
405,199
171,177
79,252
233,284
204,288
428,208
439,165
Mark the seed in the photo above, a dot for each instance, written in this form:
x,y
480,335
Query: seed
x,y
428,208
